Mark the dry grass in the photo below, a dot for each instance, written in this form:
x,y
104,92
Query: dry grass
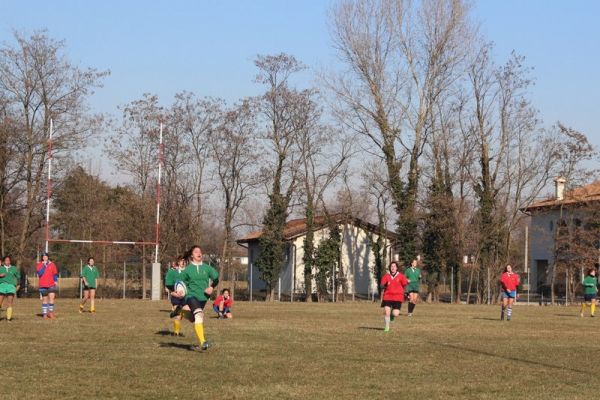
x,y
299,351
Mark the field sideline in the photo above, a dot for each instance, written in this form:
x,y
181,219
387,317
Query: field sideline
x,y
299,351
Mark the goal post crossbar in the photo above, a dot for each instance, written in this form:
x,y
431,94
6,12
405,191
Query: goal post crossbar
x,y
100,242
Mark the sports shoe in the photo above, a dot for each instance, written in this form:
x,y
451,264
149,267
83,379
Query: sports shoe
x,y
200,348
175,312
590,316
386,329
392,317
205,346
51,315
45,316
409,315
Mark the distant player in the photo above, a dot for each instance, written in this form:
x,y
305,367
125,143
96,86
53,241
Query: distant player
x,y
590,290
200,279
509,281
48,276
222,305
89,279
392,286
413,274
9,285
173,275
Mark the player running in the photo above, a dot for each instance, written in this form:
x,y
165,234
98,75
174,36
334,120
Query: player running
x,y
48,276
200,279
172,276
9,285
392,286
509,281
222,305
590,290
413,274
89,277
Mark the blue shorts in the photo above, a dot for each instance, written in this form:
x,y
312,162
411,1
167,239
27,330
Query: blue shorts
x,y
506,294
178,301
45,290
226,310
589,297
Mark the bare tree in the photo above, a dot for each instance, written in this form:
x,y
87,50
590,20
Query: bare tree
x,y
38,84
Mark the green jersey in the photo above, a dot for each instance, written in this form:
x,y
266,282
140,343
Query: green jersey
x,y
173,275
414,276
590,285
197,278
12,276
90,273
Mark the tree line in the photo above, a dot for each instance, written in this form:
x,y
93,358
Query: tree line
x,y
418,129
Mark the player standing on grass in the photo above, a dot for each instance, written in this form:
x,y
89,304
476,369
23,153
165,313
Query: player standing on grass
x,y
392,286
173,275
222,305
413,274
89,277
200,279
9,285
48,276
509,281
590,290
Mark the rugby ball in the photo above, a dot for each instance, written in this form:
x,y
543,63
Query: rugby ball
x,y
180,288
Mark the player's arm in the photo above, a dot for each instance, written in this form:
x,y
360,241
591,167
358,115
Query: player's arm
x,y
214,281
2,275
41,269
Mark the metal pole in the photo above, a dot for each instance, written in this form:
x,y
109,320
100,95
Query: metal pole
x,y
124,278
452,286
80,283
527,260
566,288
279,289
333,283
49,184
251,267
160,162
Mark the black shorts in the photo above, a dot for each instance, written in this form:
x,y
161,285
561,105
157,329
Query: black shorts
x,y
395,305
88,287
45,291
589,297
178,301
194,303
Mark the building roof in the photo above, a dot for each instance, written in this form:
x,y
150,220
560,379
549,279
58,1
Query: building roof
x,y
577,196
297,227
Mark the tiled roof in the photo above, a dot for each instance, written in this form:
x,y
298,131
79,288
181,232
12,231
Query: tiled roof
x,y
576,196
297,227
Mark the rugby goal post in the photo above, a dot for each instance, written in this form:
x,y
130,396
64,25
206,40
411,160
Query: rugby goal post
x,y
155,281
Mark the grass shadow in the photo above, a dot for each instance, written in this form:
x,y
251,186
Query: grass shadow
x,y
567,315
164,311
164,332
516,359
486,318
174,345
370,328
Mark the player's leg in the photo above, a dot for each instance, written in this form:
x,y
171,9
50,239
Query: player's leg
x,y
593,307
387,310
227,313
412,302
44,293
509,308
92,300
1,301
86,295
395,310
583,304
217,311
197,308
504,304
177,303
9,307
51,297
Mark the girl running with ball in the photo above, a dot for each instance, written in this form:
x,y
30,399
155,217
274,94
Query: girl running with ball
x,y
392,286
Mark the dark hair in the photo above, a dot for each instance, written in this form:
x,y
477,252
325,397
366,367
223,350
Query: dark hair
x,y
509,265
393,262
188,254
225,290
90,258
5,257
182,257
589,271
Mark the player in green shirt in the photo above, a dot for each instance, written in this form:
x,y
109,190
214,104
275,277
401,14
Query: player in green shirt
x,y
413,274
590,290
172,276
9,285
89,278
200,279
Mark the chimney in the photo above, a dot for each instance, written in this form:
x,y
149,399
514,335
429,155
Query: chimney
x,y
559,188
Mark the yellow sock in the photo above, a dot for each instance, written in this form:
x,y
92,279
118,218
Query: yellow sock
x,y
582,308
199,328
9,313
593,308
176,326
81,307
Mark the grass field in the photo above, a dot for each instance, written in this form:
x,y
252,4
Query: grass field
x,y
299,351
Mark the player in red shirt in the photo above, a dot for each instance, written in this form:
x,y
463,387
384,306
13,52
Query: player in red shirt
x,y
392,286
509,281
48,274
222,305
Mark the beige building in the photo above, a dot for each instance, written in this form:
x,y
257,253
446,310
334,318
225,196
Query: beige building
x,y
357,261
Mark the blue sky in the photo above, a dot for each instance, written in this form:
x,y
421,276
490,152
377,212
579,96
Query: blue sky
x,y
208,46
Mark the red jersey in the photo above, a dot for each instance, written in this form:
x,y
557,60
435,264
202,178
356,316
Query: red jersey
x,y
47,272
226,304
394,291
509,281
